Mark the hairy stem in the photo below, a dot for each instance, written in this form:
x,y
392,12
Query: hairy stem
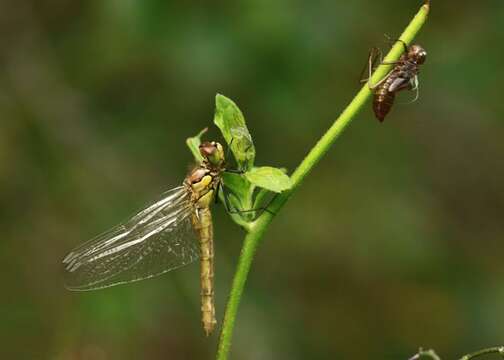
x,y
425,354
493,350
258,227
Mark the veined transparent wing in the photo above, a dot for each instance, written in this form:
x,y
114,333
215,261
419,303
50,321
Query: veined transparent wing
x,y
158,239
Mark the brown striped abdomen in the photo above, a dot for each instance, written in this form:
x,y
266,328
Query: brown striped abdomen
x,y
202,223
383,100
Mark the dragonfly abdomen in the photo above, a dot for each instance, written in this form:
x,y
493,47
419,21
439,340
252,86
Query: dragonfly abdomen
x,y
202,222
383,98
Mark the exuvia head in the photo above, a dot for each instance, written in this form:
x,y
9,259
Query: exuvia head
x,y
212,152
417,54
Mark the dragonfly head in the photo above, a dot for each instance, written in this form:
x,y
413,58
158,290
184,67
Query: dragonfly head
x,y
213,152
417,53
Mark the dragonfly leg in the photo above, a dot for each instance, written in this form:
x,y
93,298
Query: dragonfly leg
x,y
228,151
415,89
235,171
216,199
374,55
230,209
390,62
262,208
374,86
248,148
405,46
226,203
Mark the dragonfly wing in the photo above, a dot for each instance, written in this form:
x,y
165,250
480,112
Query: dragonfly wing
x,y
158,239
399,84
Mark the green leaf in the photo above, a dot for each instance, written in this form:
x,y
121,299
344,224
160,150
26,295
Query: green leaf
x,y
259,198
269,178
237,195
229,119
238,185
193,143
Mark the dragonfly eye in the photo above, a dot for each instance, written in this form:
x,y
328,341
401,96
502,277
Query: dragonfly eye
x,y
213,152
418,54
421,57
207,149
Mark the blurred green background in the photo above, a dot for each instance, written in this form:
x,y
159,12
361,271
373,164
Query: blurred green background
x,y
395,241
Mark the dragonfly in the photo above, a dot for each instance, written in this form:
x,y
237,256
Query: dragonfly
x,y
169,233
403,76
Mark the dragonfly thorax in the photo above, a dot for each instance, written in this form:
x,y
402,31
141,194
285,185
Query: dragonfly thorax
x,y
204,180
202,183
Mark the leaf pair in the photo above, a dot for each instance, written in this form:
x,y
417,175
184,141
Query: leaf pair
x,y
242,185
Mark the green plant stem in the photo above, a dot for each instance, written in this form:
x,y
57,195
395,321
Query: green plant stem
x,y
258,227
425,353
493,350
